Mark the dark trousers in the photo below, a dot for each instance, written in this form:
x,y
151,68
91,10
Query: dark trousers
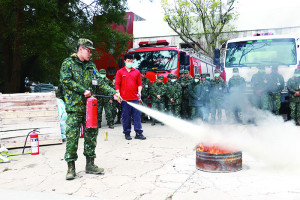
x,y
128,112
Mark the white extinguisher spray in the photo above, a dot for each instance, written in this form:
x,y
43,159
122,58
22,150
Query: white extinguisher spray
x,y
34,142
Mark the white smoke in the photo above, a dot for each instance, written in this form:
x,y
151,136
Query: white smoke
x,y
270,139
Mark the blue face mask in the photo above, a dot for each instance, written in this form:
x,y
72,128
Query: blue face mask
x,y
102,75
235,74
129,65
173,80
217,74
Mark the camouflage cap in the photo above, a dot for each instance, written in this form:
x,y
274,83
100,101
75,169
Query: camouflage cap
x,y
203,75
161,77
207,74
186,71
169,76
297,71
235,69
197,75
144,71
181,71
217,71
86,43
102,71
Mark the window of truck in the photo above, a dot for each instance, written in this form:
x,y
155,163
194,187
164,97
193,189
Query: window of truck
x,y
155,60
265,52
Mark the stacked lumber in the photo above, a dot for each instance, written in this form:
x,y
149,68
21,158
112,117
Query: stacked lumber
x,y
21,113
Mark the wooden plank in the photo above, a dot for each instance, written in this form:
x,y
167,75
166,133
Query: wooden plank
x,y
20,144
29,108
28,96
22,138
5,105
24,120
33,113
19,133
30,125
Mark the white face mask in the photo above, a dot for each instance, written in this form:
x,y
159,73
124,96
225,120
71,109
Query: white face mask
x,y
173,80
102,75
196,80
129,65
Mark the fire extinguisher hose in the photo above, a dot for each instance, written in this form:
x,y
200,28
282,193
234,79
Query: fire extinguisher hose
x,y
34,130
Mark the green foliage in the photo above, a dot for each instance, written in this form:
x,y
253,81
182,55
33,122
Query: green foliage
x,y
200,23
48,31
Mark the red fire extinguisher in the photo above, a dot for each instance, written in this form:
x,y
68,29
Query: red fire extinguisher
x,y
34,142
91,112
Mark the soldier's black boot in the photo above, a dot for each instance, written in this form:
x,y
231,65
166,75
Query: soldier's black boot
x,y
153,122
91,168
99,124
118,121
71,171
111,125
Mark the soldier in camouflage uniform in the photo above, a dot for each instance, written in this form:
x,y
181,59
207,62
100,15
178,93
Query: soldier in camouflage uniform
x,y
167,83
181,75
174,92
117,108
276,85
158,93
185,108
79,78
216,96
259,84
195,101
236,88
145,91
205,90
293,86
207,75
105,103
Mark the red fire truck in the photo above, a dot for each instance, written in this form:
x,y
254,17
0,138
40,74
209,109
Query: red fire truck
x,y
158,58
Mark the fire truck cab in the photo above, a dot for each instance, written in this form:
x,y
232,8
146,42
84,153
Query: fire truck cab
x,y
158,58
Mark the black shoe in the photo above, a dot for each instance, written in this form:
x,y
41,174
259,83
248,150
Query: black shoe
x,y
99,125
140,136
118,122
153,123
128,137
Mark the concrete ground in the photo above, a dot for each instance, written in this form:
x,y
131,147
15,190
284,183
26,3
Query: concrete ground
x,y
161,167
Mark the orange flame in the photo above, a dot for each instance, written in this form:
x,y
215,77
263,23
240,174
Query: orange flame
x,y
211,149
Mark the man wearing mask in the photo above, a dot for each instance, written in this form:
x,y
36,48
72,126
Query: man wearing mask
x,y
293,86
105,103
158,93
128,83
145,91
236,88
205,91
276,85
174,95
195,102
185,108
259,84
216,98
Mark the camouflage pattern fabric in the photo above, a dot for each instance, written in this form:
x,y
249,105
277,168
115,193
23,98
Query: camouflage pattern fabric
x,y
237,98
185,108
74,121
205,96
174,92
158,88
293,86
276,85
146,90
195,101
76,77
259,84
216,98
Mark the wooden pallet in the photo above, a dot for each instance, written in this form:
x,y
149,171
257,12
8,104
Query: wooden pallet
x,y
21,113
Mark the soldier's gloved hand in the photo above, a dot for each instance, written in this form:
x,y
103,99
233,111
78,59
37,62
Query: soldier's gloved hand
x,y
117,97
87,93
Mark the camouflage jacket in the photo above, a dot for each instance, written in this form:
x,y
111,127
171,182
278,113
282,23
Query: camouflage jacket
x,y
146,87
237,84
276,83
103,92
293,85
205,90
174,91
76,77
186,83
158,89
259,81
195,98
217,87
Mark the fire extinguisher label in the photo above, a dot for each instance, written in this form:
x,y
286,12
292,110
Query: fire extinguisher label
x,y
94,82
34,145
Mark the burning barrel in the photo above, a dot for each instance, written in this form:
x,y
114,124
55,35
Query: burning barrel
x,y
214,159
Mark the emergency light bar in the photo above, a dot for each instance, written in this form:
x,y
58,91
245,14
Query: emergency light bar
x,y
153,43
263,34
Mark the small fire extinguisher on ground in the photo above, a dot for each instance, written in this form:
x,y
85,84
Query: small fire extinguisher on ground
x,y
34,142
91,112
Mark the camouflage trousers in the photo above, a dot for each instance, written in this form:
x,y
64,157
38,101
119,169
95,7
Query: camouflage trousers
x,y
160,106
185,109
216,105
295,111
205,112
196,112
108,107
275,103
145,103
261,102
175,110
74,121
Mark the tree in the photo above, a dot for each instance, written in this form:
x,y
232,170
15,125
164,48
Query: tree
x,y
35,36
196,21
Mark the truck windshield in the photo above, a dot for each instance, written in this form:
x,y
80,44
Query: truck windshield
x,y
266,52
155,60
